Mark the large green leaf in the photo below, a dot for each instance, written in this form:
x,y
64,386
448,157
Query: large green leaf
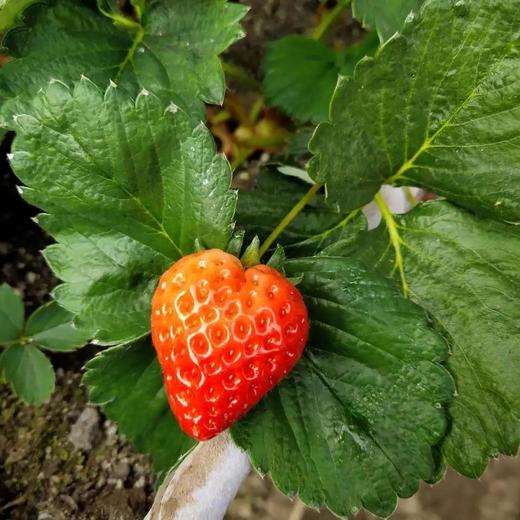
x,y
126,382
128,187
29,373
300,74
50,327
387,16
465,271
174,53
11,12
354,423
317,226
11,314
437,107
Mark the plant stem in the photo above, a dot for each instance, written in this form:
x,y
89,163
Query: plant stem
x,y
410,196
221,117
138,38
395,240
328,20
289,218
22,340
256,109
241,157
241,74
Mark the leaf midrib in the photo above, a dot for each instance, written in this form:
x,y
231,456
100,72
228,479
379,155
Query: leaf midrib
x,y
429,140
159,225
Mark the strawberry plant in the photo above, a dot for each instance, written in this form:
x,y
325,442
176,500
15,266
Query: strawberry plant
x,y
413,355
22,363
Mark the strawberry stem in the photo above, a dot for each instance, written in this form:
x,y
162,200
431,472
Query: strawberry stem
x,y
328,20
289,218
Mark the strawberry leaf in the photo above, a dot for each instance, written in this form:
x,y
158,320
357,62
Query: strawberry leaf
x,y
300,74
50,327
126,382
128,186
317,226
174,53
29,373
387,17
355,423
437,107
11,314
463,269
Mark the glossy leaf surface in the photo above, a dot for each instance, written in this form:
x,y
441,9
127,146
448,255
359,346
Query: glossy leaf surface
x,y
437,107
354,424
138,184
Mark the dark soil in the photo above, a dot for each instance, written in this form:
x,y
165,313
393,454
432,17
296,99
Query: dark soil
x,y
64,460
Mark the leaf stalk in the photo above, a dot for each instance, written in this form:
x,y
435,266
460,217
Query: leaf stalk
x,y
328,20
293,213
395,240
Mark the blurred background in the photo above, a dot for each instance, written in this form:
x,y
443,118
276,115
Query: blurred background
x,y
64,460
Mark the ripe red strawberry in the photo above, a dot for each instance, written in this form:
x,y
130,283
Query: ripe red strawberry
x,y
224,336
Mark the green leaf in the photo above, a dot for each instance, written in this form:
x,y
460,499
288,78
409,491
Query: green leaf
x,y
350,56
11,314
299,77
126,382
300,74
11,12
174,54
353,425
50,327
29,373
387,17
464,270
437,108
318,225
128,187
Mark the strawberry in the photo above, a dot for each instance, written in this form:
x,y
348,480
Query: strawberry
x,y
224,336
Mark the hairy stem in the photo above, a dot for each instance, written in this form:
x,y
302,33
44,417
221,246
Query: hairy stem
x,y
289,218
395,240
328,20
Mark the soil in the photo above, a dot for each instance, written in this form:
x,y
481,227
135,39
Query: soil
x,y
65,460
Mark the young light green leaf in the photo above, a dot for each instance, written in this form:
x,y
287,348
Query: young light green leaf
x,y
50,327
11,314
318,225
11,12
29,373
174,54
300,74
437,107
137,186
464,270
355,423
387,17
126,382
